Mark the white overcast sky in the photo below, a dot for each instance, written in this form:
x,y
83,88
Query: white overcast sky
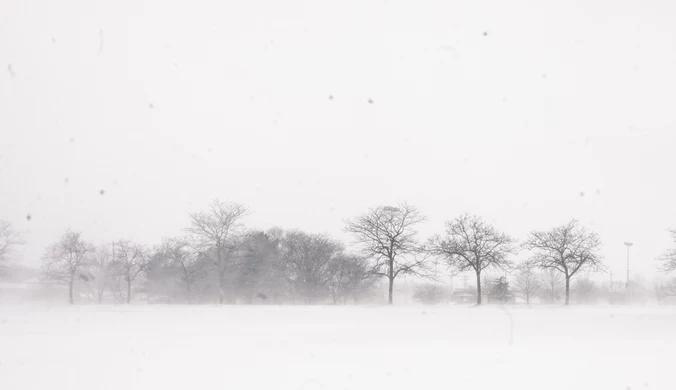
x,y
528,113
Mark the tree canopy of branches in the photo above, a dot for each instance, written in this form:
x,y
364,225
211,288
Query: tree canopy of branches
x,y
470,243
567,248
583,288
307,261
181,255
501,291
430,293
131,259
526,282
217,234
65,259
552,285
669,257
664,289
100,273
260,274
349,276
9,239
388,236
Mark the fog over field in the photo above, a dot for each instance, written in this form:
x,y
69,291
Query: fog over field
x,y
354,194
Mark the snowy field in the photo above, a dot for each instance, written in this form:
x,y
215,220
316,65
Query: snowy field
x,y
255,347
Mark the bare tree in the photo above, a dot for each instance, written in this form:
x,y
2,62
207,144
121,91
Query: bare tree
x,y
567,248
181,255
99,272
388,236
430,293
9,239
583,288
501,291
347,276
552,285
217,234
260,272
473,244
131,259
487,287
307,260
66,259
526,282
669,257
665,289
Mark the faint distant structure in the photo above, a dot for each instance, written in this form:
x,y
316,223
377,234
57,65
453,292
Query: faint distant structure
x,y
11,70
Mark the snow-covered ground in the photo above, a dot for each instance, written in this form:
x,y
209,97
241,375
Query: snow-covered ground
x,y
256,347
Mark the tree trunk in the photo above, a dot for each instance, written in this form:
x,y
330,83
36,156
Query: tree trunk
x,y
221,293
221,271
567,289
391,277
128,291
70,289
478,287
391,288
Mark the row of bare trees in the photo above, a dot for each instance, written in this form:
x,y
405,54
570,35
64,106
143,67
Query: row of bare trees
x,y
218,255
548,285
71,260
388,235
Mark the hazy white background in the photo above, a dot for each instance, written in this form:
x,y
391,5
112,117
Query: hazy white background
x,y
526,112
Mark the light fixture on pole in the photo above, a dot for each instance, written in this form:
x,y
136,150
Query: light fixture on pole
x,y
629,245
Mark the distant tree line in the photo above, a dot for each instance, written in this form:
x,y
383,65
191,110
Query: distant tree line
x,y
218,259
